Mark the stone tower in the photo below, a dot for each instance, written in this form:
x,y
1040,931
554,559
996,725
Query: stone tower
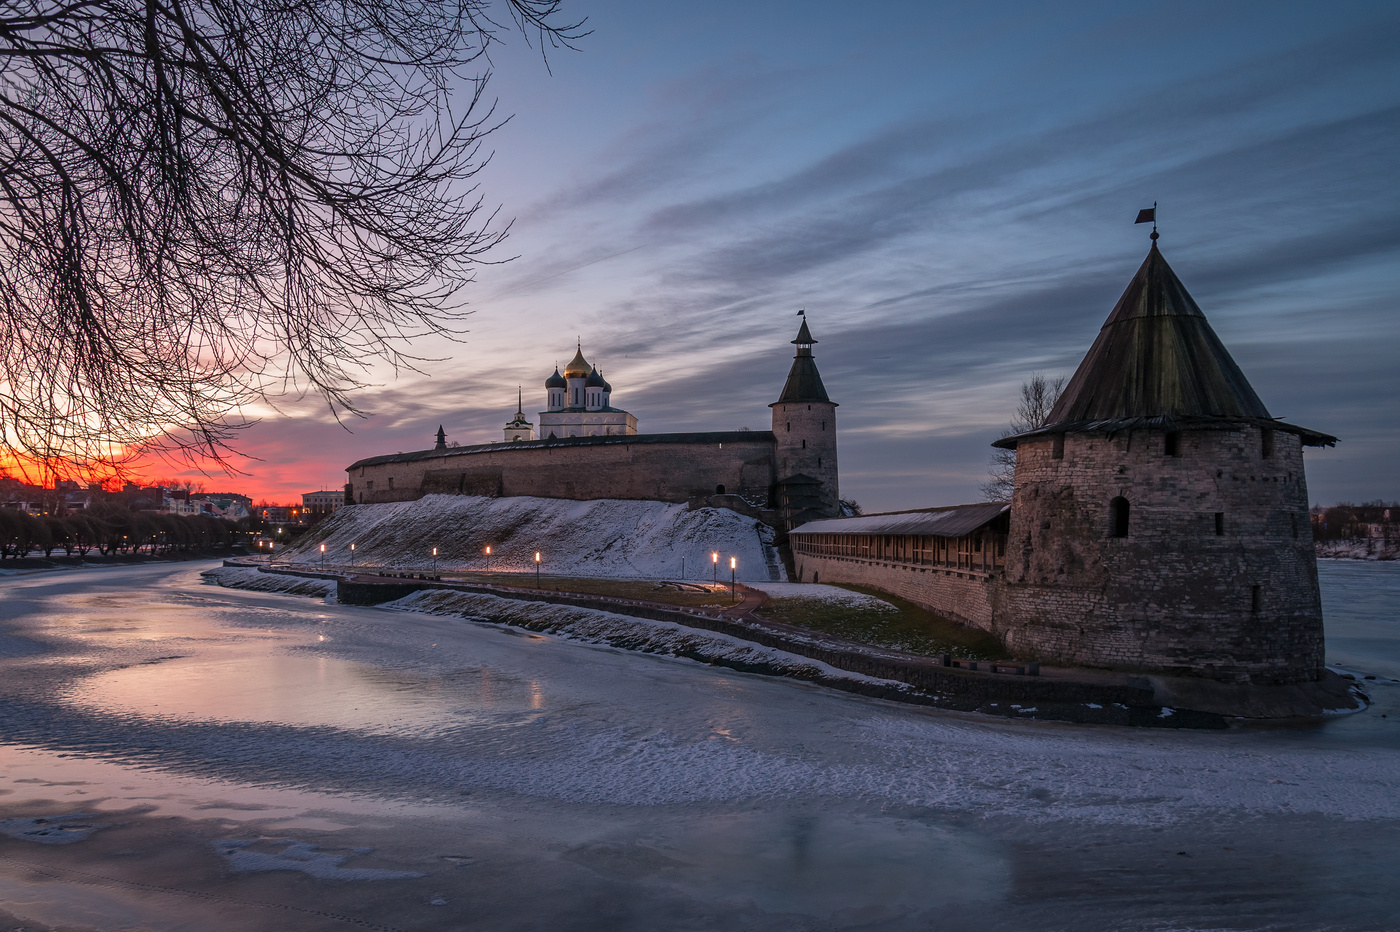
x,y
804,425
1160,519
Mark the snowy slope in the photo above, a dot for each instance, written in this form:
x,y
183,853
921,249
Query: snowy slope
x,y
611,537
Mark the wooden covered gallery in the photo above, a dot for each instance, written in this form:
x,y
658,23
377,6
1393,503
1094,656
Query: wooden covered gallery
x,y
941,558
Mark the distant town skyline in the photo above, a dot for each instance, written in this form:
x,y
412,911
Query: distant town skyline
x,y
948,190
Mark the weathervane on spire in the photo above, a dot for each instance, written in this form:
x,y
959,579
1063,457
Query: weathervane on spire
x,y
1149,215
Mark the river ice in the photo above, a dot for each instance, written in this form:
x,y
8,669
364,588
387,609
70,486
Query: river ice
x,y
536,782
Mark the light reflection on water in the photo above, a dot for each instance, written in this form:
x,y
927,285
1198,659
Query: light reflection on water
x,y
306,689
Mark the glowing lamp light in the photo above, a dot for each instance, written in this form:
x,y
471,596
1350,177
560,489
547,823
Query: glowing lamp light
x,y
714,557
537,556
488,550
434,551
733,562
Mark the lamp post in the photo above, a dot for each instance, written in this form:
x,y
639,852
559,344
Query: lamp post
x,y
733,565
352,555
714,568
434,561
488,558
323,556
537,569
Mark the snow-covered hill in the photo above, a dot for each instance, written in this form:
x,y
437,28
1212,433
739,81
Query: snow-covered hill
x,y
610,537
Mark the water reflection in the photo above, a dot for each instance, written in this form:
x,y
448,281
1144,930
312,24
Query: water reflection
x,y
299,688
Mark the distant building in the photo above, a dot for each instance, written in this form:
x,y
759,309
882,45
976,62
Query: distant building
x,y
316,505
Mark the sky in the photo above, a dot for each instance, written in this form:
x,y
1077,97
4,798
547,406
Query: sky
x,y
948,190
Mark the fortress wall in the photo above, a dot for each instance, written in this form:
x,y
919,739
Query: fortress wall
x,y
657,471
960,596
1171,596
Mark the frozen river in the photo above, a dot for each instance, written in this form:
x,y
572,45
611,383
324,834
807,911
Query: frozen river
x,y
208,758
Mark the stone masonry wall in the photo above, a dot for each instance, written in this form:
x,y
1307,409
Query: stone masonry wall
x,y
959,596
805,439
1173,595
667,472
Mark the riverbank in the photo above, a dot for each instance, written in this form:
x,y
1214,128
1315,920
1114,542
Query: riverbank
x,y
1014,690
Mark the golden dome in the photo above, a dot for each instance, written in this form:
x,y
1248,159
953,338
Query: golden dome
x,y
578,367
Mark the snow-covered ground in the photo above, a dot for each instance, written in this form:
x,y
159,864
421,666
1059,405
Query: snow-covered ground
x,y
610,538
1374,550
821,593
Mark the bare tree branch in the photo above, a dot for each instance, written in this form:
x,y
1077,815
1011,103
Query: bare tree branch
x,y
1038,397
205,203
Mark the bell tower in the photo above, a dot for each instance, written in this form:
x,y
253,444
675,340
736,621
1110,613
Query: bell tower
x,y
804,426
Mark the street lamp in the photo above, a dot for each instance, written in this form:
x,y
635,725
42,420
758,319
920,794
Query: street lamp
x,y
733,565
714,568
488,558
434,561
537,569
323,556
352,555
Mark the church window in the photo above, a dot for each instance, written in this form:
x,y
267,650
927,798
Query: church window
x,y
1172,443
391,482
1118,516
823,425
1057,447
1220,524
1266,443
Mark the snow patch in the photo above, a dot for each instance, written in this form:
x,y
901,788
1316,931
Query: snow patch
x,y
606,538
790,590
54,830
300,856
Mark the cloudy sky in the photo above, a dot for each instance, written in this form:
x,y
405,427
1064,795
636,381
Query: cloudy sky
x,y
948,189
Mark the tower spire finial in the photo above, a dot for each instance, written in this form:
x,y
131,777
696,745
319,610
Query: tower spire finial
x,y
1149,215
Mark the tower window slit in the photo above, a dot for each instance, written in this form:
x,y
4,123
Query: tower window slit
x,y
1220,524
1172,444
1118,516
1266,443
1256,599
1057,447
804,444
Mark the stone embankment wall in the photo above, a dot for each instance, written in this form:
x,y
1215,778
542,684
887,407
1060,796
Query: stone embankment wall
x,y
642,467
1214,573
961,596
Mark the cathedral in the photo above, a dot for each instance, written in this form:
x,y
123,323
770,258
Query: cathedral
x,y
578,404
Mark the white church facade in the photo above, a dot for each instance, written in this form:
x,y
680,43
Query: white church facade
x,y
578,403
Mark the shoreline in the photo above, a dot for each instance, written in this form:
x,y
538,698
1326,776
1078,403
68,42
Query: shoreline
x,y
1058,694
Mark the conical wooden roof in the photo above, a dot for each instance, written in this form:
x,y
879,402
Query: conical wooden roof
x,y
1157,355
803,383
1157,363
